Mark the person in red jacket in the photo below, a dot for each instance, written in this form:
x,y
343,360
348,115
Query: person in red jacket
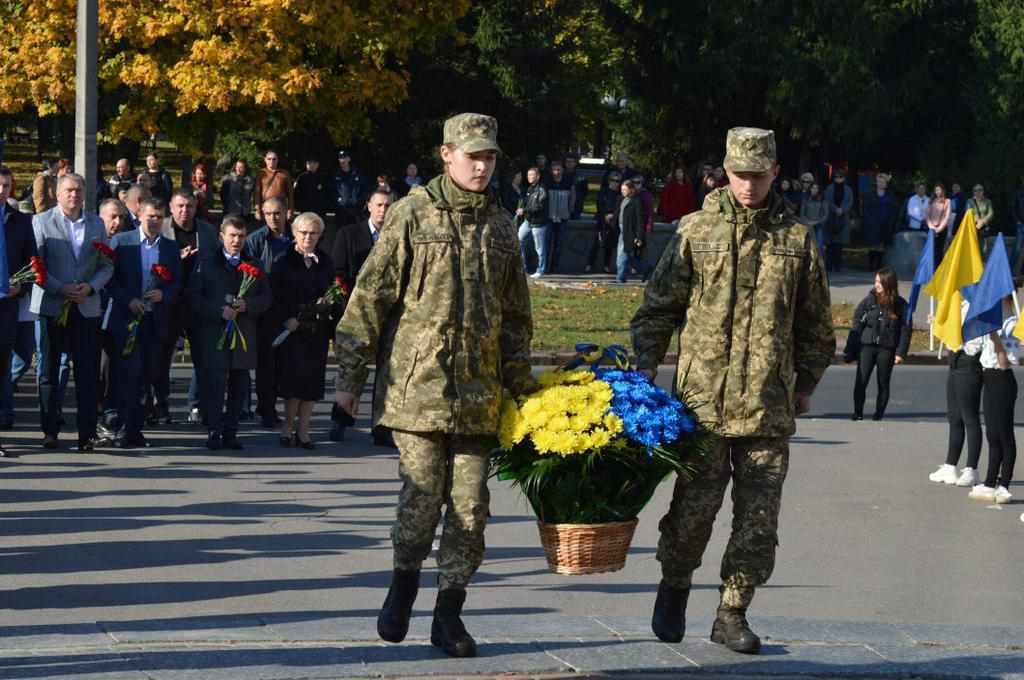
x,y
677,198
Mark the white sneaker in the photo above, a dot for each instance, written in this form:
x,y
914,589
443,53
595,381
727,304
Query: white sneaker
x,y
536,275
1003,495
969,477
946,474
980,492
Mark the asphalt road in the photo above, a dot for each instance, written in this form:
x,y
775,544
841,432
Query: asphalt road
x,y
180,539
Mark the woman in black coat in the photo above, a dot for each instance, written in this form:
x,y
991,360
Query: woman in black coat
x,y
299,279
884,339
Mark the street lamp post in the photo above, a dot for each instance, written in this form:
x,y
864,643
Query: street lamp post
x,y
86,86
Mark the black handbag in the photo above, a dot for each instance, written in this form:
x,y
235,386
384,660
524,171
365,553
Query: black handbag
x,y
851,352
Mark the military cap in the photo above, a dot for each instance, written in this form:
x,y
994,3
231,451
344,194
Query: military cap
x,y
472,132
344,154
749,149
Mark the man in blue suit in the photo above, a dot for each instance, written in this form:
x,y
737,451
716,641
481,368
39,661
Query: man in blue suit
x,y
138,293
17,246
66,238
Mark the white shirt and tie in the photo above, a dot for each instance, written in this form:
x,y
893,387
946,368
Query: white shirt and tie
x,y
374,231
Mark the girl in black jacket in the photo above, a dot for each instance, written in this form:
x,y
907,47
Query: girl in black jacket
x,y
884,338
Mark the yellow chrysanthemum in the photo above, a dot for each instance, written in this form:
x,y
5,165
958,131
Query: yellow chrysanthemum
x,y
567,416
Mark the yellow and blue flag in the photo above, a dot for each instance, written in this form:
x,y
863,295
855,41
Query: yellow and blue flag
x,y
986,296
960,267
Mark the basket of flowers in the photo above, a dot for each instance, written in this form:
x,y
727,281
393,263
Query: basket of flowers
x,y
588,450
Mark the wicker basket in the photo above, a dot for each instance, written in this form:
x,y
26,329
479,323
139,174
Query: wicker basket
x,y
576,549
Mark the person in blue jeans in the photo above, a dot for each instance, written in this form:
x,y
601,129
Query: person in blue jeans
x,y
26,344
535,210
632,234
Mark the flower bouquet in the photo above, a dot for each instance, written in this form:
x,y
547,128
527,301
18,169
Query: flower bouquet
x,y
33,272
158,275
232,335
588,450
313,312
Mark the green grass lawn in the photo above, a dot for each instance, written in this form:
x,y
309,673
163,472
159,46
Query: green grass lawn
x,y
563,317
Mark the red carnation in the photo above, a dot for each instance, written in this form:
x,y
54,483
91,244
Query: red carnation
x,y
250,270
162,272
104,250
39,268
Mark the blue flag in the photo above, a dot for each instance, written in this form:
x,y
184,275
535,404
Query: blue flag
x,y
925,272
986,296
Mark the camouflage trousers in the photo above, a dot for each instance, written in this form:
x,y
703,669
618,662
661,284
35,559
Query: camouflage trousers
x,y
757,467
442,469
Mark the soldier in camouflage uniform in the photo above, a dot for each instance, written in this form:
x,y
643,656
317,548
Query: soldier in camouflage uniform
x,y
446,283
744,285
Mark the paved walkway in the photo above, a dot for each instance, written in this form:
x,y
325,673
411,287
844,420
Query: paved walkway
x,y
181,564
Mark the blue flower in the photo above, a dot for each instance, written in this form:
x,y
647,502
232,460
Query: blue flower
x,y
650,415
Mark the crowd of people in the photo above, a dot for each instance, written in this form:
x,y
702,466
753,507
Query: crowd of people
x,y
125,286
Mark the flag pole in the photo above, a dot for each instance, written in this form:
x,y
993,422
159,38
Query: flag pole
x,y
931,325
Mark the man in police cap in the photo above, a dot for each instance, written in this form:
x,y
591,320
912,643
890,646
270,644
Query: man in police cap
x,y
745,286
445,284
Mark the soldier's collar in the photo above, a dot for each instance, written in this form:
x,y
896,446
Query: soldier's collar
x,y
773,213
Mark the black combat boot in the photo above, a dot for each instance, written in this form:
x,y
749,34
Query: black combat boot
x,y
393,620
447,631
732,630
669,619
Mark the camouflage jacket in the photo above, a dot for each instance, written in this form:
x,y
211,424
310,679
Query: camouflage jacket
x,y
446,289
748,292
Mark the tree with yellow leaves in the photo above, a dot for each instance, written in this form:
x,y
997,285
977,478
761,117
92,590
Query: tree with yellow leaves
x,y
184,66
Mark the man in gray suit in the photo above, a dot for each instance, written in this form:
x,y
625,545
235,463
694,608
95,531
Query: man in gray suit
x,y
66,237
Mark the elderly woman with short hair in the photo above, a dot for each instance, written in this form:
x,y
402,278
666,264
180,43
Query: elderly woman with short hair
x,y
300,277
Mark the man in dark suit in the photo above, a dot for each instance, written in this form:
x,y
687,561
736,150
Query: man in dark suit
x,y
140,294
263,245
195,239
66,238
213,296
352,246
17,247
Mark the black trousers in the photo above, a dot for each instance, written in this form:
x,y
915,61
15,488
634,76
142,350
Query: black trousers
x,y
884,359
223,417
1000,395
940,247
78,338
963,401
605,242
136,373
266,373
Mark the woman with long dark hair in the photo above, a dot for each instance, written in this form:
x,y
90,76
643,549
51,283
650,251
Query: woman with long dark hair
x,y
884,339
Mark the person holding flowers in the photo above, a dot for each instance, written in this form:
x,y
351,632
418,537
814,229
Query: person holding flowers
x,y
69,241
307,303
227,293
445,286
17,274
145,285
744,285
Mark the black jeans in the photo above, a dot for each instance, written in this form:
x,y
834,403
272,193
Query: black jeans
x,y
222,417
870,357
963,400
1000,395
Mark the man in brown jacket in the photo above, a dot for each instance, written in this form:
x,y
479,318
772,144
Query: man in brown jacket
x,y
273,182
44,186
